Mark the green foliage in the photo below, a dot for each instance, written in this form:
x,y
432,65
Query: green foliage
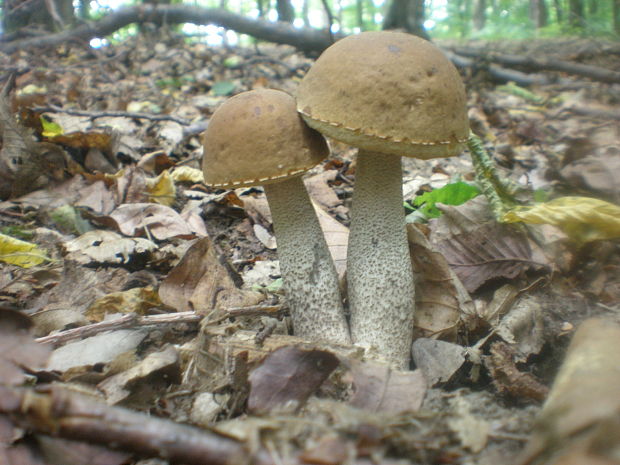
x,y
50,129
223,88
18,232
425,206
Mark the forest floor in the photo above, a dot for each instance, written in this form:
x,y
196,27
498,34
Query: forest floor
x,y
155,293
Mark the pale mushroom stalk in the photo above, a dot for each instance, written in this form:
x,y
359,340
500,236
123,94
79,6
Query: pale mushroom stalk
x,y
309,277
379,272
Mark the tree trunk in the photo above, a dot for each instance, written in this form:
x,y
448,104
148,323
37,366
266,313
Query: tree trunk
x,y
260,6
285,10
359,11
50,16
559,13
592,7
408,15
305,10
480,14
576,17
539,13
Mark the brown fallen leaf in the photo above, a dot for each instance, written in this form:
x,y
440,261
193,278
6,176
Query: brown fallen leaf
x,y
101,246
203,281
507,377
378,388
157,367
287,377
137,300
580,420
477,248
162,222
438,360
18,351
441,300
78,357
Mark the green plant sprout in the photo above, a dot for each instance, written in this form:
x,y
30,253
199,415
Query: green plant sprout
x,y
499,192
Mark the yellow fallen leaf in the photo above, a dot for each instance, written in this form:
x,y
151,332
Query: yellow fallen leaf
x,y
583,219
187,174
162,189
20,253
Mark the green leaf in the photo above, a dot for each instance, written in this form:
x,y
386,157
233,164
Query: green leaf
x,y
223,88
455,193
69,220
50,129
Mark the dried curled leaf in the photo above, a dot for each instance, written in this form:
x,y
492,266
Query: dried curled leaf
x,y
583,219
20,253
162,189
187,174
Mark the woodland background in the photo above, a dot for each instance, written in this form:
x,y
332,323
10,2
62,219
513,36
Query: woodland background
x,y
141,314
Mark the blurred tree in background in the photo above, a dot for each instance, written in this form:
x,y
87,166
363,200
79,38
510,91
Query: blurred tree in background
x,y
489,19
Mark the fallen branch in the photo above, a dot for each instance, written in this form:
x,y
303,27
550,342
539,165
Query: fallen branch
x,y
128,321
305,39
542,64
62,413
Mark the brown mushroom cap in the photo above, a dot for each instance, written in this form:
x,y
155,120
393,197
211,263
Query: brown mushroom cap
x,y
387,92
257,137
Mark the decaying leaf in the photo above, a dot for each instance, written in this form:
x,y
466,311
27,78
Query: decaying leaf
x,y
438,360
20,253
508,378
378,388
100,349
134,219
137,301
441,299
203,281
522,327
162,367
162,189
102,246
18,351
583,219
477,248
287,377
187,174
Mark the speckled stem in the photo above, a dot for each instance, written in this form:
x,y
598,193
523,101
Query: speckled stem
x,y
379,273
308,273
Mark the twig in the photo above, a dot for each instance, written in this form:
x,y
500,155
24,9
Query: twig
x,y
127,321
117,114
62,413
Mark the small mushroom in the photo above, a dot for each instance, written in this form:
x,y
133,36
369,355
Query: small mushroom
x,y
258,138
390,95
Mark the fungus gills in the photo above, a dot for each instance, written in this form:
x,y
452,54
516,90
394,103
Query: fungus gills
x,y
379,272
308,273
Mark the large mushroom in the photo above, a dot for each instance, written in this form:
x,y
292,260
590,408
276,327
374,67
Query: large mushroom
x,y
258,138
390,95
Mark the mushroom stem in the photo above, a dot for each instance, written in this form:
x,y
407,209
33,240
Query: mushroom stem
x,y
309,277
379,271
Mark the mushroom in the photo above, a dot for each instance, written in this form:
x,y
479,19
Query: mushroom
x,y
390,95
258,138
